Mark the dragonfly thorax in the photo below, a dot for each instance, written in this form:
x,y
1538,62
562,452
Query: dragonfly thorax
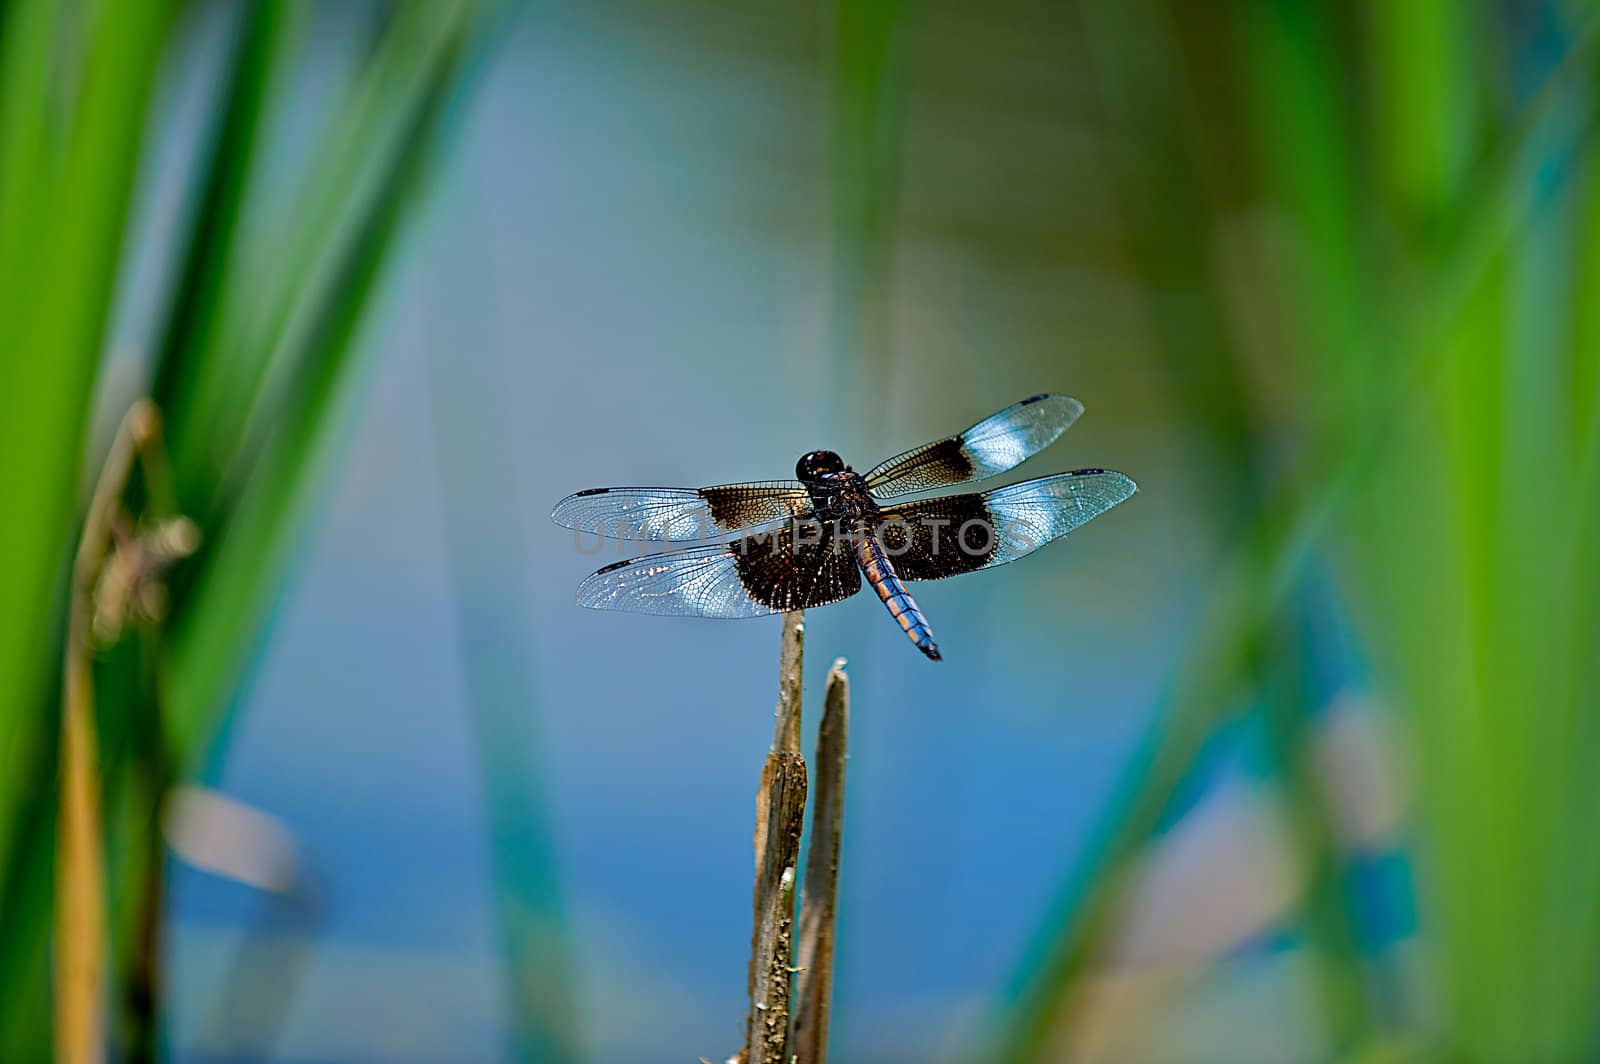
x,y
844,498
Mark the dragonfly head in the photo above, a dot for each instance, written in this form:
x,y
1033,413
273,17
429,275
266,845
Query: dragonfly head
x,y
814,466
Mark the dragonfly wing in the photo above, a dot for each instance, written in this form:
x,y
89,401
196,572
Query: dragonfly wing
x,y
658,515
936,538
999,442
797,566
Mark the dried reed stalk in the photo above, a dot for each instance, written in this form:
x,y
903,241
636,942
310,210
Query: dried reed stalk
x,y
785,1027
780,818
115,575
814,980
80,972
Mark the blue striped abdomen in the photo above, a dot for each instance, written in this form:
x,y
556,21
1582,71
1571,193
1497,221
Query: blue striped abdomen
x,y
879,571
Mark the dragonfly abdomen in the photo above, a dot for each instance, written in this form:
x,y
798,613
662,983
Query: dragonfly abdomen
x,y
879,571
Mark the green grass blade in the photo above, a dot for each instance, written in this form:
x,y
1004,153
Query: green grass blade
x,y
221,617
65,186
54,341
29,41
261,49
273,304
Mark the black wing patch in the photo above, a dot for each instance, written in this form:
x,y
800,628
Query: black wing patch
x,y
794,567
936,538
656,515
992,446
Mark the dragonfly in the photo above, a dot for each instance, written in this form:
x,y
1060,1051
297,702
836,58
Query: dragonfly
x,y
775,546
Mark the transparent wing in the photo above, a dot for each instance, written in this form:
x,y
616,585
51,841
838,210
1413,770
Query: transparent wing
x,y
662,514
994,445
798,566
936,538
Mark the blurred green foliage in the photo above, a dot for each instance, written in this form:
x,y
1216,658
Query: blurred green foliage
x,y
266,298
1427,284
